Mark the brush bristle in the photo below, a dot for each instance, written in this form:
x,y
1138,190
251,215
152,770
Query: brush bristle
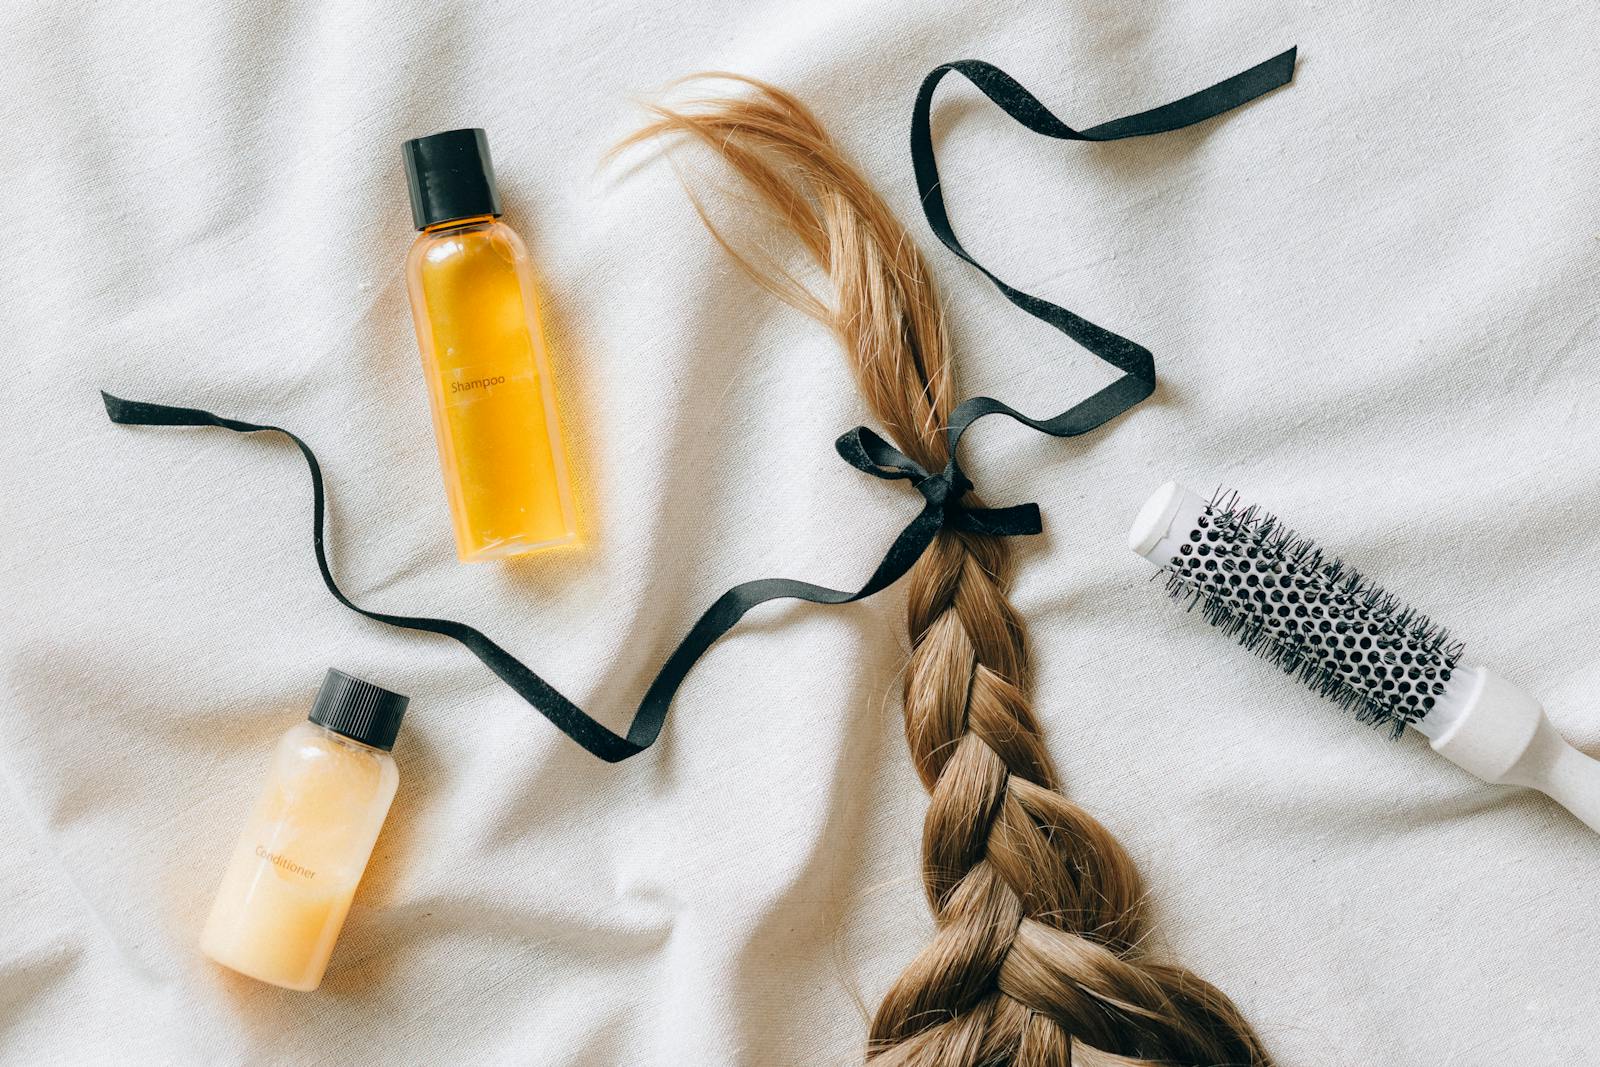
x,y
1317,619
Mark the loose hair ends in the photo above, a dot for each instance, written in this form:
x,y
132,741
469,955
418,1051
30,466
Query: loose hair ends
x,y
1036,960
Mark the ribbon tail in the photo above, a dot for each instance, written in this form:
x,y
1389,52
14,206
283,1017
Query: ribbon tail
x,y
731,606
1133,359
588,732
539,694
1208,103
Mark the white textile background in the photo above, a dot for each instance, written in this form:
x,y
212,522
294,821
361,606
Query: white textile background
x,y
1372,301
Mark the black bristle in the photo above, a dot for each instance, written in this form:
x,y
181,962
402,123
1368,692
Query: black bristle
x,y
1345,637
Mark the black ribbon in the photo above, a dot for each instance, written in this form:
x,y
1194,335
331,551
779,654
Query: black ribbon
x,y
942,491
1137,365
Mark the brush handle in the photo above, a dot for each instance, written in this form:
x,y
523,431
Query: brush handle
x,y
1502,735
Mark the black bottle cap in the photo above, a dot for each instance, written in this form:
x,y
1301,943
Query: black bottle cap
x,y
450,177
359,710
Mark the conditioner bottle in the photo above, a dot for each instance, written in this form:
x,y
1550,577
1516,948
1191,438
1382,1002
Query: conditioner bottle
x,y
288,887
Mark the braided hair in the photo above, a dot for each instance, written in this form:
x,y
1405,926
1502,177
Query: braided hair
x,y
1037,959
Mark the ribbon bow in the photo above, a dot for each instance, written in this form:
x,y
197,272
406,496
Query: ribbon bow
x,y
866,451
861,448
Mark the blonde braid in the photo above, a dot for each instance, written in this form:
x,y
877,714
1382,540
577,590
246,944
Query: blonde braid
x,y
1036,959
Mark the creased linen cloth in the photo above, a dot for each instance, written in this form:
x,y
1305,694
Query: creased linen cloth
x,y
1372,300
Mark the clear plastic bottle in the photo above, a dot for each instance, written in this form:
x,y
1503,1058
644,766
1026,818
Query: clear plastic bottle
x,y
295,868
483,355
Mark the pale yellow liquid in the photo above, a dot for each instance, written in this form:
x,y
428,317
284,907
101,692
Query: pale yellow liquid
x,y
295,869
489,385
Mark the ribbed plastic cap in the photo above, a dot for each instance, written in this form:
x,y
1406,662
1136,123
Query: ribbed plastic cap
x,y
450,177
359,710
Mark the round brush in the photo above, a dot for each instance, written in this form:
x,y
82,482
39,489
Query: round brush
x,y
1369,652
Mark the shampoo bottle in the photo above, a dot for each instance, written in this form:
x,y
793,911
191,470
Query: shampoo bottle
x,y
288,887
483,355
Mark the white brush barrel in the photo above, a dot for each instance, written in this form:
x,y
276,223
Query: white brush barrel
x,y
1165,522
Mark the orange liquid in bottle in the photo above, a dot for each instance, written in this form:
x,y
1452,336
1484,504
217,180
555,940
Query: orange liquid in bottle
x,y
489,384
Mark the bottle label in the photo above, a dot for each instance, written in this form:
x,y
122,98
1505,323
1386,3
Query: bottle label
x,y
466,384
284,863
477,383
